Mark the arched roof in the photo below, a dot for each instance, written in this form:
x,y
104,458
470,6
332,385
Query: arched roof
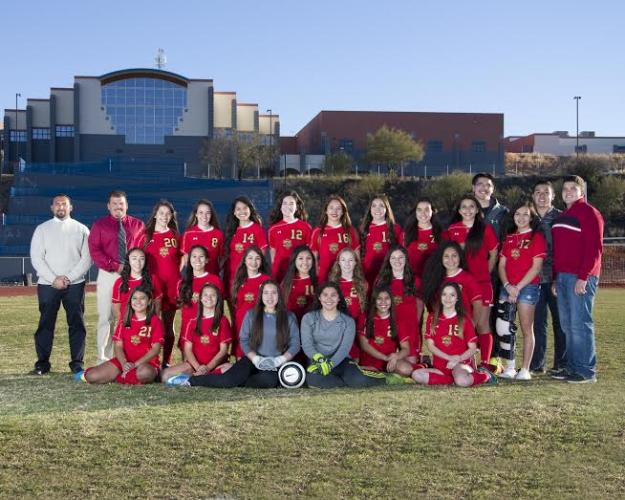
x,y
144,73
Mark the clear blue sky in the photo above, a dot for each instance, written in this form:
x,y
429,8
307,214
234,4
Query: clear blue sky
x,y
524,59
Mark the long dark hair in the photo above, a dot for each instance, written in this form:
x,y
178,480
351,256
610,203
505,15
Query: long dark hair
x,y
232,223
346,221
241,273
129,310
186,288
434,273
475,238
300,211
437,308
192,220
412,225
219,310
534,221
150,225
373,311
367,219
145,272
291,271
358,279
385,277
282,320
341,306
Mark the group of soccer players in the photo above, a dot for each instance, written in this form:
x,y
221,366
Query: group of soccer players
x,y
243,293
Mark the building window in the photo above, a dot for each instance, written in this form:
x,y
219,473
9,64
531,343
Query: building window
x,y
17,136
478,147
346,145
434,147
41,134
582,148
65,131
144,110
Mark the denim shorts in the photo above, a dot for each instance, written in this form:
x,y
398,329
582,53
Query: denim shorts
x,y
529,294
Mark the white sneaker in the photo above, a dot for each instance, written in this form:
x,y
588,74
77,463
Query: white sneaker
x,y
508,372
524,374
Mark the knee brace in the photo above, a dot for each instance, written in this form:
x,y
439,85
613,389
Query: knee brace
x,y
506,328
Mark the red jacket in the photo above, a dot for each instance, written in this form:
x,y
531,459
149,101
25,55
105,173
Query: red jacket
x,y
578,241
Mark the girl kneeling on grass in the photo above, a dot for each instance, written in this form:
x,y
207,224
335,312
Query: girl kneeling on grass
x,y
269,338
382,348
207,338
451,339
136,343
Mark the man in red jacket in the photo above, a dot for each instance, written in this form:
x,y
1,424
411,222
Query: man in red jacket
x,y
577,247
109,241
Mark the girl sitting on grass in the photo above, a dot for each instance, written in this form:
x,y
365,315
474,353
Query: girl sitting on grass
x,y
137,343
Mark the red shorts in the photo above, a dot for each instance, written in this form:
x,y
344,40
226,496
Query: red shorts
x,y
155,362
441,364
486,290
169,288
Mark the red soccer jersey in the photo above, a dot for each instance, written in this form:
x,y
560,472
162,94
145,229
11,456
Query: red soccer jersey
x,y
206,346
477,262
163,254
355,311
247,294
420,250
377,243
469,288
138,338
382,341
189,311
520,249
121,298
212,240
300,297
283,238
328,243
243,238
446,337
406,319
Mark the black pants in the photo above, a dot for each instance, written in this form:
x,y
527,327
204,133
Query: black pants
x,y
345,374
50,300
242,374
549,301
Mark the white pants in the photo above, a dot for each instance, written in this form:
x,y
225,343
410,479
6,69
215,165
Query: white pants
x,y
104,330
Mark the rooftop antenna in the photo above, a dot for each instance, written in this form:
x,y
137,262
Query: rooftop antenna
x,y
160,59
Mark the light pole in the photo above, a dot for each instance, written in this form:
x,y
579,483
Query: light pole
x,y
577,98
17,139
270,136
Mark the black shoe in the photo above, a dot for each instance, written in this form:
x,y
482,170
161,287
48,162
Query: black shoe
x,y
38,371
578,379
560,374
538,371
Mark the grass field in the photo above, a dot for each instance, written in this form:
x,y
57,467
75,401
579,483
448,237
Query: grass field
x,y
59,438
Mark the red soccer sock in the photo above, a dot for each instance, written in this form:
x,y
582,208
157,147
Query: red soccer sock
x,y
438,379
479,377
485,340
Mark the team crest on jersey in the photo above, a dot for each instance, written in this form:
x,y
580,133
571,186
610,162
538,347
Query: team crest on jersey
x,y
163,252
301,300
379,340
205,339
248,297
422,247
397,299
287,243
195,297
446,341
135,340
515,253
238,247
334,247
377,246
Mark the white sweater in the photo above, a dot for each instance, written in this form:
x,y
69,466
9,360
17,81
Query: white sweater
x,y
60,248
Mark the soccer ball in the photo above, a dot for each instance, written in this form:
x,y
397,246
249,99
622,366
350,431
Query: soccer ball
x,y
291,375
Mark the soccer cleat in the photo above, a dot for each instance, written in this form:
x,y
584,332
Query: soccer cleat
x,y
560,374
508,373
396,379
492,380
178,380
524,375
578,379
79,376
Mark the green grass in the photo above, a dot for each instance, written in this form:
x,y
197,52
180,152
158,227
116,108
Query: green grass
x,y
59,438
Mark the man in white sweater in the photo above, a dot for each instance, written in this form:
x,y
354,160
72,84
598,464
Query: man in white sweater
x,y
60,254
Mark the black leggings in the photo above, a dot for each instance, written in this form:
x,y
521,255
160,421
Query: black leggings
x,y
345,374
242,374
